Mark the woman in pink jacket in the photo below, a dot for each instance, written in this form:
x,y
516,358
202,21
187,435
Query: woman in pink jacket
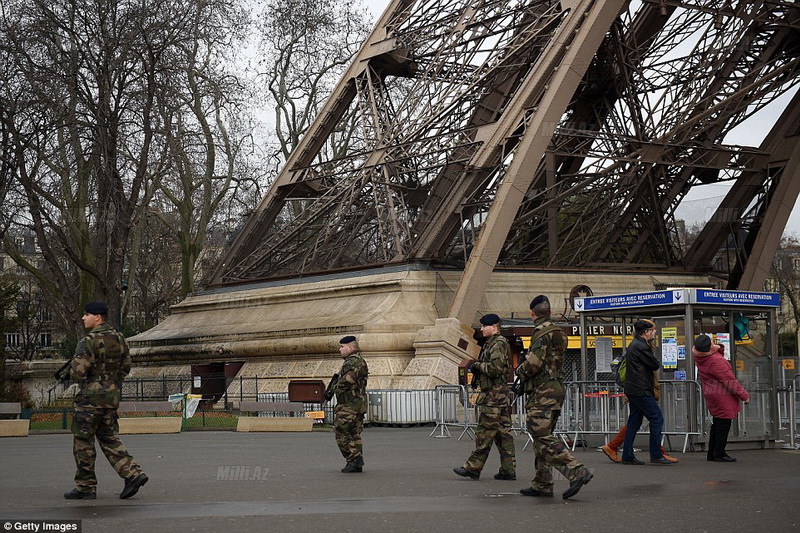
x,y
722,392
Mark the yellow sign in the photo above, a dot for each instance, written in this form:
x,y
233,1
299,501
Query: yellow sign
x,y
574,343
740,365
591,342
788,364
316,415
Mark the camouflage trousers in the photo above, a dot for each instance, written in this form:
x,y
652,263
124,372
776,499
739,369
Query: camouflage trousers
x,y
90,423
550,451
494,426
347,428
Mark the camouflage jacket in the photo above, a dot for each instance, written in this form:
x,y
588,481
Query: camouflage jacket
x,y
491,371
100,364
542,368
351,389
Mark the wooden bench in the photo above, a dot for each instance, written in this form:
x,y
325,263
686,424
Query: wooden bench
x,y
148,424
13,427
273,423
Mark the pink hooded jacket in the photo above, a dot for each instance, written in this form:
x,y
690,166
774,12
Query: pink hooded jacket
x,y
721,389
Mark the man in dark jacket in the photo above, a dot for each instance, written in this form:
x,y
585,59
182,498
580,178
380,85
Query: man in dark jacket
x,y
639,385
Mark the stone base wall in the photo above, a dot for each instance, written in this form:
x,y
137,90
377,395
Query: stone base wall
x,y
290,330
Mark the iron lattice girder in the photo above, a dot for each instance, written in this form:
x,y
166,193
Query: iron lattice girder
x,y
699,128
446,91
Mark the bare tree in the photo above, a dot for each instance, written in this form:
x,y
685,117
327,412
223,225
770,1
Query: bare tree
x,y
207,130
77,103
8,297
785,272
127,139
306,46
155,285
113,115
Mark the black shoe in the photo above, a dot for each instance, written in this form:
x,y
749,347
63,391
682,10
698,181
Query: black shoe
x,y
132,486
505,476
353,467
661,461
633,461
528,491
463,472
725,459
76,494
576,485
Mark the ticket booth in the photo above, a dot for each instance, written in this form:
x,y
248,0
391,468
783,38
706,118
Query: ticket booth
x,y
742,321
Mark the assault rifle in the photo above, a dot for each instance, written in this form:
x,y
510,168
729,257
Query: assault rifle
x,y
328,394
62,374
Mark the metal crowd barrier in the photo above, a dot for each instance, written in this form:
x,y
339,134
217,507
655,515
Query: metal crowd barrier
x,y
559,431
401,407
589,408
453,409
787,412
279,397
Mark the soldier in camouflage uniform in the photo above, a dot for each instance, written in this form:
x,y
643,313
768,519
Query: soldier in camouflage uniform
x,y
494,403
100,364
351,403
541,373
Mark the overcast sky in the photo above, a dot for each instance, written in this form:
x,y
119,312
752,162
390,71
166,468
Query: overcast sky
x,y
699,204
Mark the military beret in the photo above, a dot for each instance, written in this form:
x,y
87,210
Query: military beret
x,y
702,343
347,340
490,320
96,308
644,325
539,299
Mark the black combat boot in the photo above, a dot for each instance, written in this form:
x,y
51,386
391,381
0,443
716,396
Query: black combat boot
x,y
353,466
76,494
575,485
132,486
463,472
530,491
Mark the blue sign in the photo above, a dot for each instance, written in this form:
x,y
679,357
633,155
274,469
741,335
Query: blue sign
x,y
709,296
624,301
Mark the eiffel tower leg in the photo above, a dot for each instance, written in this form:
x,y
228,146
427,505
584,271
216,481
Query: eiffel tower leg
x,y
568,58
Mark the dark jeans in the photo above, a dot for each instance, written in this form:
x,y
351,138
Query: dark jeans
x,y
643,407
718,438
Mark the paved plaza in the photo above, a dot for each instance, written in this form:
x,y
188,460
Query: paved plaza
x,y
290,482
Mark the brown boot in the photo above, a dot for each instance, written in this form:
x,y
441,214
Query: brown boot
x,y
611,454
669,457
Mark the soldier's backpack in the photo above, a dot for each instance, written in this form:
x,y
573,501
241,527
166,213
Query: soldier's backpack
x,y
619,368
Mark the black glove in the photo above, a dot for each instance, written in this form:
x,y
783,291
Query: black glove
x,y
474,368
62,374
518,387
